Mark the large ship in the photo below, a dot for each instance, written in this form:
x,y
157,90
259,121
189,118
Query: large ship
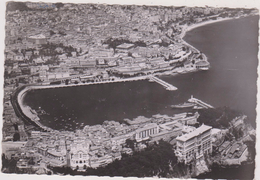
x,y
184,105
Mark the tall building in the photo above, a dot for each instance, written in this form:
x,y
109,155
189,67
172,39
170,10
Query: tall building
x,y
79,154
194,145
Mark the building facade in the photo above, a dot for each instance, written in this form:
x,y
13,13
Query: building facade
x,y
194,145
145,132
79,155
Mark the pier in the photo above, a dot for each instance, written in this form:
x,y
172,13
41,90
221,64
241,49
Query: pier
x,y
116,80
199,103
163,83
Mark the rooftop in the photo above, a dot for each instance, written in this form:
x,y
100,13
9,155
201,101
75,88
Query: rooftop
x,y
38,36
125,46
202,63
203,128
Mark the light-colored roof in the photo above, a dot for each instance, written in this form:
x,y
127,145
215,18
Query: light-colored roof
x,y
55,153
125,46
194,133
215,131
202,63
38,36
148,126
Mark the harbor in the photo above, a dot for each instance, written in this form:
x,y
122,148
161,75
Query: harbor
x,y
32,115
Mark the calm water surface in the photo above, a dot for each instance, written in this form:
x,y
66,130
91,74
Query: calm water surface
x,y
231,47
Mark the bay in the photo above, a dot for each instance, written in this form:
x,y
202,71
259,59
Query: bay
x,y
231,47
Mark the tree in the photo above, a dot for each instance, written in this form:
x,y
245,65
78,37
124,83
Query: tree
x,y
130,144
155,160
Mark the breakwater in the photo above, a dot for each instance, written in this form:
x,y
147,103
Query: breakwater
x,y
138,78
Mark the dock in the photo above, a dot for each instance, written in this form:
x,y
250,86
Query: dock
x,y
199,103
168,86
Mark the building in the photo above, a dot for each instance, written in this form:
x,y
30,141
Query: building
x,y
19,57
79,154
28,55
124,48
145,132
194,144
189,120
167,131
37,39
203,65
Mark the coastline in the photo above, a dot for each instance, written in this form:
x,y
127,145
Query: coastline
x,y
193,26
20,95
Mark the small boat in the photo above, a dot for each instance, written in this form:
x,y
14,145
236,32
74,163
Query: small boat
x,y
184,105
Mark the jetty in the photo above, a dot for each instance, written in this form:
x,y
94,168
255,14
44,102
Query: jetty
x,y
116,80
199,103
168,86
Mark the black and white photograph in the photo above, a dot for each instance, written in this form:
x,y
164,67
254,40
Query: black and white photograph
x,y
95,89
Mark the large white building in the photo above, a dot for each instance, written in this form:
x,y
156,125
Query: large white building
x,y
79,155
194,145
145,132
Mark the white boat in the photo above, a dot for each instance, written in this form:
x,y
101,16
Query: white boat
x,y
184,105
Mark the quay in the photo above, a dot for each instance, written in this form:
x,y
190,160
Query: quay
x,y
199,103
25,112
117,80
163,83
48,86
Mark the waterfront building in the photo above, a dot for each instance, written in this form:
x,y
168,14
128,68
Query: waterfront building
x,y
189,120
145,132
167,131
203,65
128,70
194,144
58,75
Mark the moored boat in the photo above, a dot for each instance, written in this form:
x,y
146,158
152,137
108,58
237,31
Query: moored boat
x,y
184,105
